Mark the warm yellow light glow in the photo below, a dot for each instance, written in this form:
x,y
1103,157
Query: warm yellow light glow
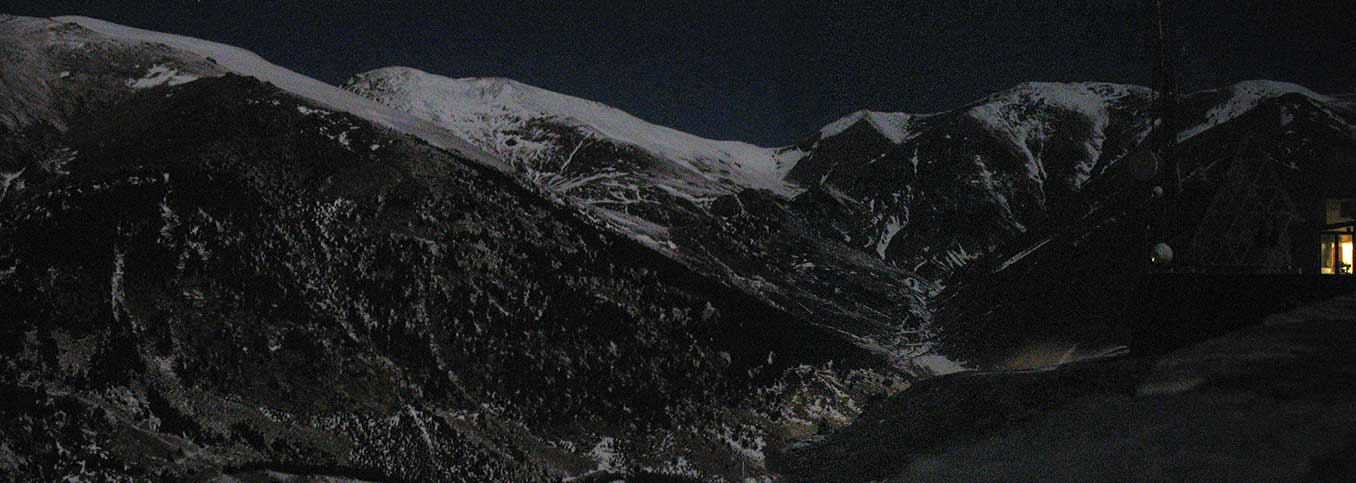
x,y
1346,254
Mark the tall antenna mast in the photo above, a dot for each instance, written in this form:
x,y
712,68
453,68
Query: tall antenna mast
x,y
1165,101
1164,115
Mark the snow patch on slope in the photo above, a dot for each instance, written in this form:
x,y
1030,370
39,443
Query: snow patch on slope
x,y
1018,257
7,179
935,364
606,455
887,235
159,75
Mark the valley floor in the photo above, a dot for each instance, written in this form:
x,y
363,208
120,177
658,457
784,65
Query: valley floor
x,y
1272,402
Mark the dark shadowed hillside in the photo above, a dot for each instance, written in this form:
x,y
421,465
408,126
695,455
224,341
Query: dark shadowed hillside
x,y
216,276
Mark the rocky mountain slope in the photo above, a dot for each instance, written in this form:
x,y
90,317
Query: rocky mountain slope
x,y
206,276
1074,282
941,189
892,181
723,208
215,269
926,193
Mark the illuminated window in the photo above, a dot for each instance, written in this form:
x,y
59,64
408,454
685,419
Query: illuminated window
x,y
1336,253
1335,243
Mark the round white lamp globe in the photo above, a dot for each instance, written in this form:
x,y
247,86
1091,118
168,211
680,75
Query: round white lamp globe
x,y
1161,254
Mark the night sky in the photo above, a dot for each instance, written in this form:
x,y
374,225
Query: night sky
x,y
767,72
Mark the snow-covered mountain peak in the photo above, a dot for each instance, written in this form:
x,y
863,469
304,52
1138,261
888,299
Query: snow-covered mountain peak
x,y
491,87
893,125
409,80
1270,88
1030,116
1002,110
1090,99
448,101
468,106
1227,103
1063,89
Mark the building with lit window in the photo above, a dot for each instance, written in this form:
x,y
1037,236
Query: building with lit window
x,y
1335,241
1270,208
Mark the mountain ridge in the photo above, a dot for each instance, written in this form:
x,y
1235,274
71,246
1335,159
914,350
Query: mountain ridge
x,y
1084,126
452,102
265,273
213,58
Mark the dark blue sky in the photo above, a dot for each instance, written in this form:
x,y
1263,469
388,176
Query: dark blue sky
x,y
767,72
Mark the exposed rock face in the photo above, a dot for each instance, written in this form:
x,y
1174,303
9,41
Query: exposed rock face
x,y
943,189
717,206
219,277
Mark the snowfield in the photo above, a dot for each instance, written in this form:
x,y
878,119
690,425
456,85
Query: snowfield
x,y
478,108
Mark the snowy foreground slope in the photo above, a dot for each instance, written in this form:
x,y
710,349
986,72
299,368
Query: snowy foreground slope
x,y
1272,402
